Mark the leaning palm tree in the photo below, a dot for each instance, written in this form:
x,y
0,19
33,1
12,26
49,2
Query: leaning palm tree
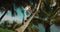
x,y
23,27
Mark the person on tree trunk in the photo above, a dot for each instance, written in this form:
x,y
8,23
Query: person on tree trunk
x,y
26,12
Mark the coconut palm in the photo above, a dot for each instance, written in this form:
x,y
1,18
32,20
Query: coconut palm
x,y
47,10
50,12
23,27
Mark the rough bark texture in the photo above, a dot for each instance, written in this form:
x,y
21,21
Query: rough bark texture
x,y
23,27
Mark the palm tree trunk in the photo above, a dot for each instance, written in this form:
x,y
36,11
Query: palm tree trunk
x,y
47,28
3,14
23,27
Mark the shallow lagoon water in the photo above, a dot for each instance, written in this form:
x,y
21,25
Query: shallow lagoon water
x,y
19,19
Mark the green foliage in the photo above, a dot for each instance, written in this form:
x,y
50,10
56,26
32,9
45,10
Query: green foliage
x,y
10,26
5,30
57,21
30,28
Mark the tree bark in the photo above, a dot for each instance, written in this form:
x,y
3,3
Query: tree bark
x,y
23,27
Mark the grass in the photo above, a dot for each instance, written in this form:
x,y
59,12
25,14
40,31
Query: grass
x,y
5,30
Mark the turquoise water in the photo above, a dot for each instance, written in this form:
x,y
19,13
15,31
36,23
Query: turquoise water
x,y
19,19
40,27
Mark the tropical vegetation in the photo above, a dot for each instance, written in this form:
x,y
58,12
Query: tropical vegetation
x,y
43,11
